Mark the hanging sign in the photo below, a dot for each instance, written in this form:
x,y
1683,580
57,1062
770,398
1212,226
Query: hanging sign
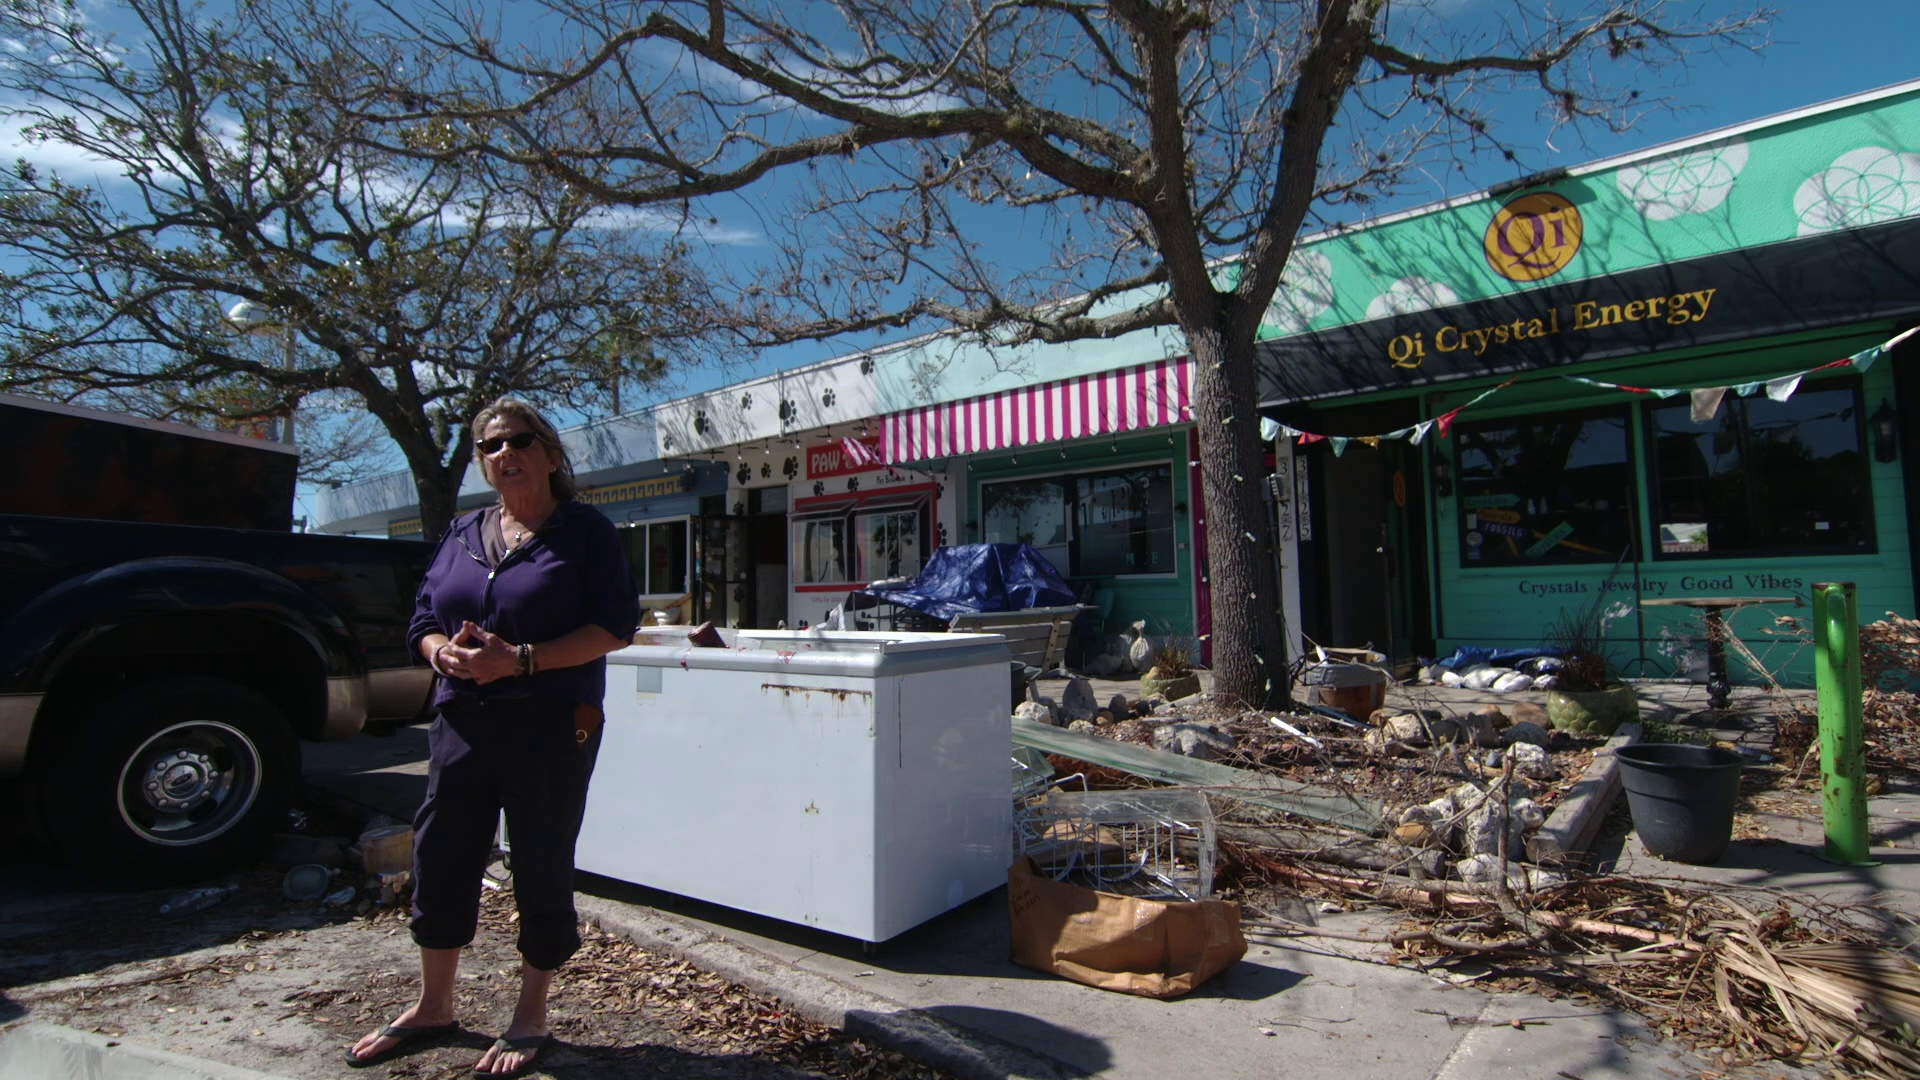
x,y
832,459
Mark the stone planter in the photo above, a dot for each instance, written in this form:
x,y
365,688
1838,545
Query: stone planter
x,y
1593,712
1173,689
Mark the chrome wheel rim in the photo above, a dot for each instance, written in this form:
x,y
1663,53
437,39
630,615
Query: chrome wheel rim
x,y
189,783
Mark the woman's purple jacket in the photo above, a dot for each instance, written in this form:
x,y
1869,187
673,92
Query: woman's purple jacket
x,y
572,571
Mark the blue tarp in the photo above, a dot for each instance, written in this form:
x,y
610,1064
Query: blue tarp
x,y
980,577
1466,656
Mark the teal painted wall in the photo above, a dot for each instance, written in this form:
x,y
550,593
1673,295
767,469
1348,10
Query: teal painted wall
x,y
1165,601
1515,606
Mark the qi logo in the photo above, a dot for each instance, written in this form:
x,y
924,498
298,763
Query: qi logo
x,y
1533,237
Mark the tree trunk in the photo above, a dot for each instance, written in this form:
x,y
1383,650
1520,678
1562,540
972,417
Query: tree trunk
x,y
438,489
1249,632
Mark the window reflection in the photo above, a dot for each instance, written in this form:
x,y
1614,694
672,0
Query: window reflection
x,y
1117,521
1551,489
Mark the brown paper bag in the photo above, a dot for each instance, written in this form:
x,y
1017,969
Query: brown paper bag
x,y
1153,948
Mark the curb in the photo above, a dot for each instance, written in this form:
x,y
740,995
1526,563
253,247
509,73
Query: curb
x,y
1571,829
883,1021
52,1052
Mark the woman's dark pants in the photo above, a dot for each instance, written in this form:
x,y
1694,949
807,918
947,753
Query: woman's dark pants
x,y
514,756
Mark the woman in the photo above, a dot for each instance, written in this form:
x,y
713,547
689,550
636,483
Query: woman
x,y
518,610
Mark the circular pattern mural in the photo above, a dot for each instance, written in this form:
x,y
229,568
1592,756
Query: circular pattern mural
x,y
1411,294
1305,292
1691,182
1861,187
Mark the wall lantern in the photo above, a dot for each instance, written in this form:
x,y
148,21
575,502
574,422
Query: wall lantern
x,y
1886,432
1442,476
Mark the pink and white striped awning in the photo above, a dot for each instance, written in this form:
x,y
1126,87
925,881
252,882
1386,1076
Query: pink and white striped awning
x,y
1151,395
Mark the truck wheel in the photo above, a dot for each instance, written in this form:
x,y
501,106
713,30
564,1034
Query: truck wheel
x,y
173,780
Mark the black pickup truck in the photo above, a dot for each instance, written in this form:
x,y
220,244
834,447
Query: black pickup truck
x,y
157,674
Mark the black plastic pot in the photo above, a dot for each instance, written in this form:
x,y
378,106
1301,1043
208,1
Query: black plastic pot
x,y
1682,798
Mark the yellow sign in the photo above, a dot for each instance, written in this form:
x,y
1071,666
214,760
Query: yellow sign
x,y
1533,237
1503,517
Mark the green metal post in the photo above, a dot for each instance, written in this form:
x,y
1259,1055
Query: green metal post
x,y
1836,665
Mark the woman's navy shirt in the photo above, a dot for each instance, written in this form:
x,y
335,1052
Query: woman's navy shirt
x,y
572,571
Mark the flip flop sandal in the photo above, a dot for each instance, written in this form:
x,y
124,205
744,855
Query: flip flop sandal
x,y
535,1043
406,1035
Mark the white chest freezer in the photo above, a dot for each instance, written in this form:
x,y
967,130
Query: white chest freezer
x,y
848,780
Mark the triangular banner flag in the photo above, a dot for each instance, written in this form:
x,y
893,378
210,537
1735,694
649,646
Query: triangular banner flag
x,y
1370,440
1339,444
1269,429
1706,402
1748,389
1445,421
1664,393
1420,431
1864,358
1782,388
1307,437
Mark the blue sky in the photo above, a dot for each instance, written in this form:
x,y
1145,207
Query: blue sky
x,y
1815,54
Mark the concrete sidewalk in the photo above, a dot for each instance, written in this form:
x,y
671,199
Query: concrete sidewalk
x,y
946,992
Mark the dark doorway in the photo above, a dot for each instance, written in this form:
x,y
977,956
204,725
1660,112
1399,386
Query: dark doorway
x,y
767,512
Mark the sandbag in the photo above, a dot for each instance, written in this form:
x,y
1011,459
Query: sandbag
x,y
1152,948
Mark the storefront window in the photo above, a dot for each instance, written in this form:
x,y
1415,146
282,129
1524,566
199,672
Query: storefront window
x,y
889,544
1114,522
819,551
1539,490
657,554
1762,477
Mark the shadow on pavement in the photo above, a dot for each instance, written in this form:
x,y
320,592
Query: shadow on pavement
x,y
1081,1053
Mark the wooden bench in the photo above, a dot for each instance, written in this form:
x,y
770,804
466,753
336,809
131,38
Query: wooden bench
x,y
1037,637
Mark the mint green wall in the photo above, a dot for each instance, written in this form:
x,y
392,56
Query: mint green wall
x,y
1164,600
1514,606
1851,166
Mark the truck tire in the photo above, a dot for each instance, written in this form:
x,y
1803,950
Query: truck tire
x,y
171,781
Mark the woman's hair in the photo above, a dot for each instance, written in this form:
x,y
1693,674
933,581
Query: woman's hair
x,y
561,478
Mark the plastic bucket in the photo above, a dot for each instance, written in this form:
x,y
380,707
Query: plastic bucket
x,y
1682,798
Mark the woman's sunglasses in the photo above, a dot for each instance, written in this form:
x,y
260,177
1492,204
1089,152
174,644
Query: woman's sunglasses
x,y
519,440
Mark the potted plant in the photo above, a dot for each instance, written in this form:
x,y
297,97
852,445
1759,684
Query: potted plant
x,y
1172,675
1583,700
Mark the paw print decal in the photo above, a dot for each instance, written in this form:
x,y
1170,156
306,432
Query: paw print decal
x,y
866,365
700,424
853,483
766,470
942,542
939,488
790,468
746,401
666,442
788,410
744,473
819,487
826,397
739,508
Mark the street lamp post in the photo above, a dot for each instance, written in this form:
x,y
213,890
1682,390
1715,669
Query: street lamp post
x,y
255,318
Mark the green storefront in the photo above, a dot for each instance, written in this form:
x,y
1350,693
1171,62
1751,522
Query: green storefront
x,y
1624,383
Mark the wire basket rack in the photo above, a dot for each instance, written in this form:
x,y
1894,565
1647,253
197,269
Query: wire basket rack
x,y
1155,843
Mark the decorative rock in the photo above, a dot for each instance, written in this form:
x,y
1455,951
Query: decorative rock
x,y
1478,727
1481,833
1082,725
1118,706
1407,728
1378,718
1201,741
1415,834
1485,870
1077,700
1038,712
1525,732
1103,718
1526,712
1495,715
1531,761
